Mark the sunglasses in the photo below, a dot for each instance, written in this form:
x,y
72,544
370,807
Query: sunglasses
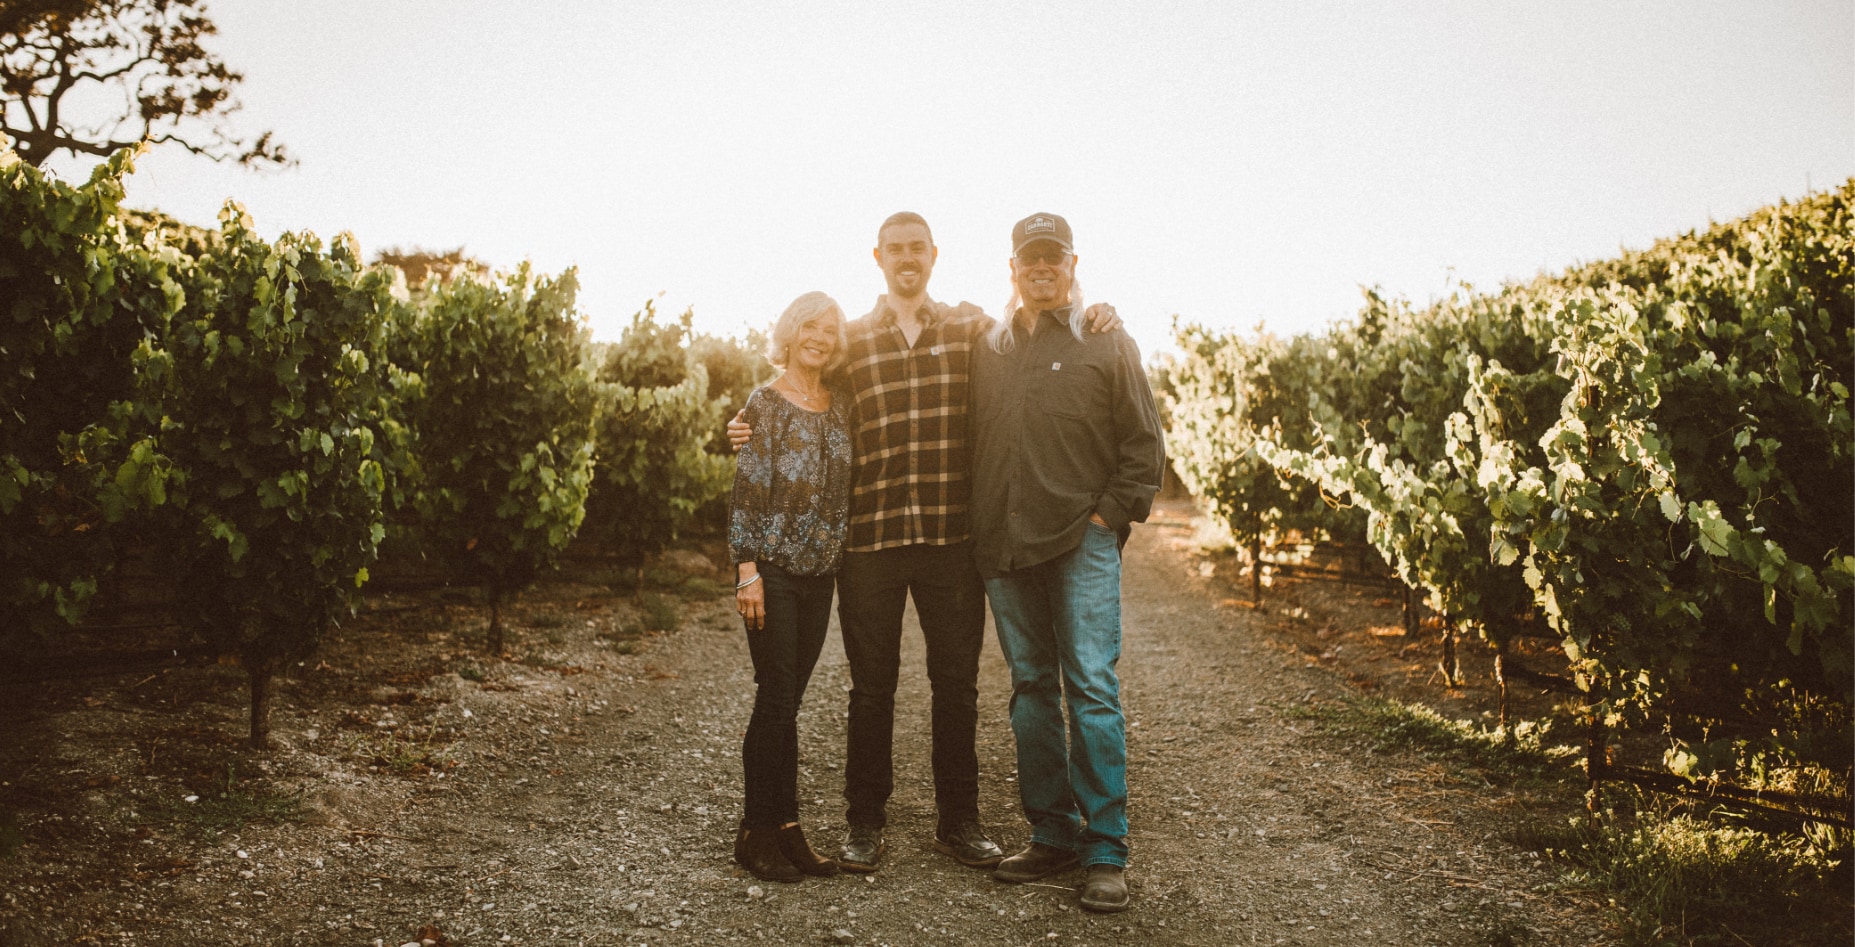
x,y
1051,256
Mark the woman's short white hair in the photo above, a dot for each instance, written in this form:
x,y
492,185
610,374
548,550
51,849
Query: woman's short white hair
x,y
804,309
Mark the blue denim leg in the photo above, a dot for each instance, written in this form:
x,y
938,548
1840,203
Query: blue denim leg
x,y
1059,626
1021,611
1087,604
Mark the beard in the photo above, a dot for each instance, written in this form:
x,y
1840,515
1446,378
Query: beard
x,y
906,285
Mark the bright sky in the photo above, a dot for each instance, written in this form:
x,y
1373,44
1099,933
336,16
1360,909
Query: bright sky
x,y
1228,162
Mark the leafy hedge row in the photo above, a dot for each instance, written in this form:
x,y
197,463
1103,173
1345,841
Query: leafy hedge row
x,y
1650,456
260,416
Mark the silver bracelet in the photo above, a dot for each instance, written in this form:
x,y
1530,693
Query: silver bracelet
x,y
751,580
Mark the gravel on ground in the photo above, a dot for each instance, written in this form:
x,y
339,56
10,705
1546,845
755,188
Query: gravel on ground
x,y
587,792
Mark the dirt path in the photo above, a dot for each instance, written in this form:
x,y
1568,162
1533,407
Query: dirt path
x,y
598,808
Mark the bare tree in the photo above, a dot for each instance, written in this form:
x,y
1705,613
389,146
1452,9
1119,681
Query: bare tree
x,y
94,76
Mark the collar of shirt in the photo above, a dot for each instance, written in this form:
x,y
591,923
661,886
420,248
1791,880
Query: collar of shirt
x,y
926,313
1060,315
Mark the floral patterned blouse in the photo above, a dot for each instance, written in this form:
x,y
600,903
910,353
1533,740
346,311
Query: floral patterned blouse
x,y
792,485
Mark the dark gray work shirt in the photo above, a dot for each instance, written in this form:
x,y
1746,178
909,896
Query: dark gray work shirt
x,y
1062,427
792,485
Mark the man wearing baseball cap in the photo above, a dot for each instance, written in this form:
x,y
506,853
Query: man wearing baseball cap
x,y
1066,456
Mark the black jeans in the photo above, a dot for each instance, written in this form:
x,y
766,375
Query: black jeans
x,y
784,650
950,600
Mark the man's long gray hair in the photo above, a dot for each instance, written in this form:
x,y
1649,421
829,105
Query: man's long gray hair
x,y
1003,336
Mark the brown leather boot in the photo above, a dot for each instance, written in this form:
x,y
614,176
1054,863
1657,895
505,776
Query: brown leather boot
x,y
758,851
1034,862
799,852
1106,889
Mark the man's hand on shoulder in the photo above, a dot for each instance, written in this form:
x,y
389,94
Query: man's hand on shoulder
x,y
1101,318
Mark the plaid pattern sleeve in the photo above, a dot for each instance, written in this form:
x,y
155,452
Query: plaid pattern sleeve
x,y
912,479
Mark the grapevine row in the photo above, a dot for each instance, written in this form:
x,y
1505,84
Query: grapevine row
x,y
258,419
1648,458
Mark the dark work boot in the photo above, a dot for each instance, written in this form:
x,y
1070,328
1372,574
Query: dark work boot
x,y
1034,862
1105,889
758,851
863,846
966,843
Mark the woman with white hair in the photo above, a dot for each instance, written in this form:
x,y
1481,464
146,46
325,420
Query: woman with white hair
x,y
786,536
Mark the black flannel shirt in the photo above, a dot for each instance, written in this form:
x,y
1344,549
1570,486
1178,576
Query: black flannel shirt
x,y
1062,428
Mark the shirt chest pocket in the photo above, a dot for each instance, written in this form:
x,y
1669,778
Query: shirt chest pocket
x,y
1067,391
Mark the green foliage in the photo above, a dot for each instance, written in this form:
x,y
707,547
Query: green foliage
x,y
1673,875
1387,397
1694,495
501,426
251,412
654,471
1651,455
650,354
1802,744
1523,754
271,401
211,395
153,226
735,367
1223,396
1676,878
84,305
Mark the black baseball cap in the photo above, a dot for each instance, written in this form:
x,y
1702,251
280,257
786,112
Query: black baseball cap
x,y
1038,227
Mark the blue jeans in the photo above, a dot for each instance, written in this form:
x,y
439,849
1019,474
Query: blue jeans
x,y
1059,625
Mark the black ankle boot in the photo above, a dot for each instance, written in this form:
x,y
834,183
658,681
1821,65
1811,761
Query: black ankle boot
x,y
758,851
799,852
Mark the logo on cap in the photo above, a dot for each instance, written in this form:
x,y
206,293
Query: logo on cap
x,y
1039,224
